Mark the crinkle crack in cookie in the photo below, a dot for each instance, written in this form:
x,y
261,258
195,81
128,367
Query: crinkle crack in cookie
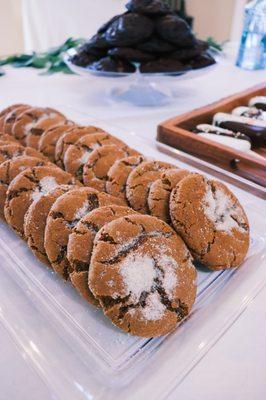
x,y
35,220
8,109
50,137
28,186
69,138
139,182
118,174
63,217
160,190
30,125
78,153
9,151
211,222
10,118
100,161
142,274
80,245
10,169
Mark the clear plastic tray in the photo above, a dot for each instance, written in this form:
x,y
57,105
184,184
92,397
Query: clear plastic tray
x,y
79,354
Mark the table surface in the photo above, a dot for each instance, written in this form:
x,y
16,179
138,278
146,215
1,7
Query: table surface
x,y
236,366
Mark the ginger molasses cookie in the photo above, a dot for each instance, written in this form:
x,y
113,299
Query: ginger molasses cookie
x,y
100,161
11,117
63,217
8,151
4,137
118,174
160,190
139,182
28,186
30,124
80,245
8,109
35,220
142,274
69,138
50,137
10,169
211,221
77,154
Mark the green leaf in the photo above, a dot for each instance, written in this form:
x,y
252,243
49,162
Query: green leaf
x,y
212,43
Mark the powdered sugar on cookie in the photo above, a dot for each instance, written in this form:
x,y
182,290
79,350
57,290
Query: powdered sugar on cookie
x,y
82,211
154,309
46,184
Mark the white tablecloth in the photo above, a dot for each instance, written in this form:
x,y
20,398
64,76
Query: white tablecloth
x,y
236,366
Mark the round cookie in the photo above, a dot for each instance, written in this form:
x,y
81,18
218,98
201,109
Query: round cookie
x,y
30,124
142,274
63,217
28,186
35,220
50,137
8,109
4,142
69,138
118,174
11,117
80,245
139,182
77,154
211,222
10,169
4,137
100,161
160,190
9,151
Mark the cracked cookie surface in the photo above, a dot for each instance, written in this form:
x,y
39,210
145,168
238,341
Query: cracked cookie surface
x,y
142,274
160,190
80,245
4,138
28,186
9,151
100,161
64,215
118,174
139,182
211,222
9,119
35,220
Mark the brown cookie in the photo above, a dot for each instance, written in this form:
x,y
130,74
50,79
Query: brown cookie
x,y
142,274
11,117
30,124
9,151
69,138
139,182
80,245
4,137
63,217
50,137
10,169
4,142
160,190
118,174
8,109
211,221
28,186
77,154
100,161
35,220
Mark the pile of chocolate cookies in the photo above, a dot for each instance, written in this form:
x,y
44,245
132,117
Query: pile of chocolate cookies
x,y
122,228
148,35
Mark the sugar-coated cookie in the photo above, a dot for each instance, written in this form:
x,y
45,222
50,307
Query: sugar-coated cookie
x,y
10,118
8,151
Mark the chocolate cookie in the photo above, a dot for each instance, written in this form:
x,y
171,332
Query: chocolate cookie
x,y
82,58
80,245
149,7
142,274
211,222
108,64
139,182
202,61
164,65
118,174
156,45
30,124
28,186
50,137
10,118
175,30
8,151
63,217
35,220
129,29
70,137
160,190
130,54
77,154
10,169
100,161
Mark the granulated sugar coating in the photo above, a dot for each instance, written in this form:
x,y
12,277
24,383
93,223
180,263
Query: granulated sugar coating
x,y
46,184
211,222
141,273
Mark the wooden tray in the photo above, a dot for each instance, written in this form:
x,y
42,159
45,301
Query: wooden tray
x,y
177,132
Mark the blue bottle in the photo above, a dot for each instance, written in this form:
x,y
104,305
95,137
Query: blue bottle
x,y
252,52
